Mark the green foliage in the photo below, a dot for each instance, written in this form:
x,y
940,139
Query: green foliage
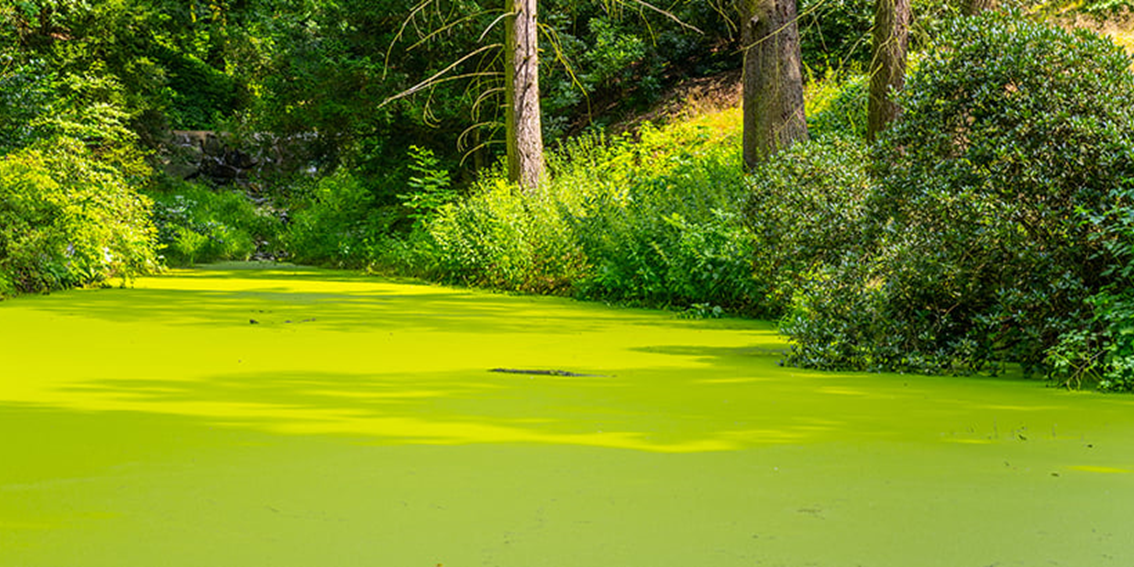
x,y
502,238
836,106
334,61
41,104
199,94
318,70
334,220
805,211
975,246
174,63
835,34
25,96
198,224
69,219
1102,352
1116,314
653,222
431,187
666,229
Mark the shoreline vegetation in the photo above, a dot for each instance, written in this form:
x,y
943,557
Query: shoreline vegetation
x,y
989,225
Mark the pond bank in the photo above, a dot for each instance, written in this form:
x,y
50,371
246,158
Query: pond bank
x,y
273,415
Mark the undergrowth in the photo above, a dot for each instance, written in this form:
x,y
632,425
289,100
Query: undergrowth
x,y
200,224
663,217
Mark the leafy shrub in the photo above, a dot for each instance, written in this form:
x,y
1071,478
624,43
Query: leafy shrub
x,y
500,237
335,220
976,245
430,185
805,211
836,106
664,227
1102,352
69,219
655,221
198,224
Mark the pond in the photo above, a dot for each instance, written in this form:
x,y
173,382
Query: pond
x,y
249,414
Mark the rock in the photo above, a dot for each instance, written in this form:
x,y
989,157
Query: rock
x,y
189,154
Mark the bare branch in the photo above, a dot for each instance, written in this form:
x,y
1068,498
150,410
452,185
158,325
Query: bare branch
x,y
493,24
390,48
464,134
472,150
668,14
553,38
434,80
443,29
484,96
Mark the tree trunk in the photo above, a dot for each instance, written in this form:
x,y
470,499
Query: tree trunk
x,y
773,79
521,93
887,63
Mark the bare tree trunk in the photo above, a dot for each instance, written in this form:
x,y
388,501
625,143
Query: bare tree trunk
x,y
888,63
521,93
773,78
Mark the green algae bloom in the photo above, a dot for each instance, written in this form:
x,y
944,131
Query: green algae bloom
x,y
272,415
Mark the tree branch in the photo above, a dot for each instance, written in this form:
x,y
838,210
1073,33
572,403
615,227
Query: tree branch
x,y
434,80
668,15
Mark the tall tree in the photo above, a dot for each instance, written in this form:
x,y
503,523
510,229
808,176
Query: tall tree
x,y
773,78
521,93
887,63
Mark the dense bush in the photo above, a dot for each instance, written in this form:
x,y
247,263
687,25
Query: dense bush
x,y
68,219
836,106
500,237
994,219
654,221
666,229
805,211
335,220
198,224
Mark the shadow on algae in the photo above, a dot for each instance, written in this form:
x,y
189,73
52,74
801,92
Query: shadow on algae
x,y
260,414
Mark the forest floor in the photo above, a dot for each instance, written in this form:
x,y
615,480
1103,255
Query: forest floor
x,y
690,99
262,414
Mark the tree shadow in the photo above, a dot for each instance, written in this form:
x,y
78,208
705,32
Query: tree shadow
x,y
300,352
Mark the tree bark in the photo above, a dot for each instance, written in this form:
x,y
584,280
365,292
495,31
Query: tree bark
x,y
773,79
887,63
521,93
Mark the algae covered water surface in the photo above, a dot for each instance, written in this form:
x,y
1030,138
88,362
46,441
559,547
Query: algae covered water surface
x,y
248,415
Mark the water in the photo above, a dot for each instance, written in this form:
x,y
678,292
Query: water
x,y
271,415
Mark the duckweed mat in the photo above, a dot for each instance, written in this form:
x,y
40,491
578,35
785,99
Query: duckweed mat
x,y
249,414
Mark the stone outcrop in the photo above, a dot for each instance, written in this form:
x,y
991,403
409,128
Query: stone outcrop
x,y
223,159
190,154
